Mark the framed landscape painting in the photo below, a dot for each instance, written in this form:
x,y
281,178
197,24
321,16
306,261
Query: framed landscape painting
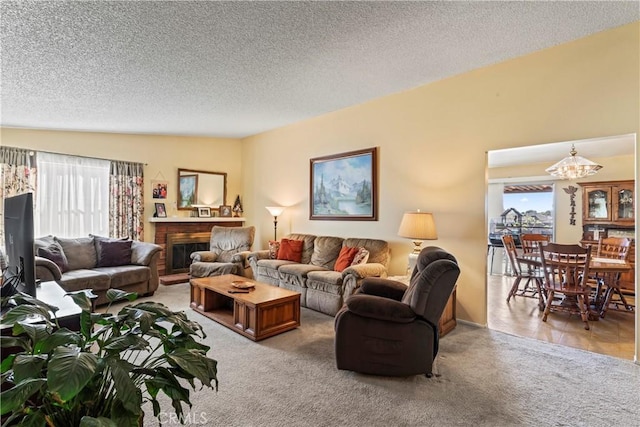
x,y
344,186
187,190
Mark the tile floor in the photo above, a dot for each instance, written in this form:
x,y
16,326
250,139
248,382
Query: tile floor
x,y
614,335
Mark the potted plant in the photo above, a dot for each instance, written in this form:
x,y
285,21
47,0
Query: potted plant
x,y
102,374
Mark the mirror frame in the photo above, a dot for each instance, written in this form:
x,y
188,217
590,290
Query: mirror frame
x,y
197,172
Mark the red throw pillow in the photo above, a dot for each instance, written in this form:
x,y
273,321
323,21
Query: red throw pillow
x,y
345,258
290,250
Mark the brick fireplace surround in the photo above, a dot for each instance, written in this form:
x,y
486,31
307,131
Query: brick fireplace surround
x,y
184,230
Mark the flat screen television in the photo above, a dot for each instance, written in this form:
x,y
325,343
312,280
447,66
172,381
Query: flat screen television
x,y
19,241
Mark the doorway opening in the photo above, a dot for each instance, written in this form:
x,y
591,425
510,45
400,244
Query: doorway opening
x,y
510,195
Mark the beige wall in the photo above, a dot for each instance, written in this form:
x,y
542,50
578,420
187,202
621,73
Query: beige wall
x,y
433,142
615,168
163,155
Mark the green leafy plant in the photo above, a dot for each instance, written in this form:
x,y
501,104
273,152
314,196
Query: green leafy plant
x,y
102,374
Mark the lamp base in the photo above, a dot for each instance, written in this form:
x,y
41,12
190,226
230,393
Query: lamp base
x,y
417,246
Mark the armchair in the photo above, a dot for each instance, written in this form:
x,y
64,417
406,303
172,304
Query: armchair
x,y
387,328
227,254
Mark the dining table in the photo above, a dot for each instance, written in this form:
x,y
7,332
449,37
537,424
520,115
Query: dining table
x,y
606,270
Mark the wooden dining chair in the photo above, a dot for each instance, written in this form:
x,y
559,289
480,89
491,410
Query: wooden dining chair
x,y
530,241
612,248
531,275
564,268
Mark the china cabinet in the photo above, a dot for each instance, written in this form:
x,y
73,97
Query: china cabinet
x,y
608,210
609,202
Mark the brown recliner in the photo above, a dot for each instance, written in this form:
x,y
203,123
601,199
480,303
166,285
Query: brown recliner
x,y
387,328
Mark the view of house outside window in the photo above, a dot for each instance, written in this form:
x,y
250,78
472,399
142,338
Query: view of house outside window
x,y
526,212
535,210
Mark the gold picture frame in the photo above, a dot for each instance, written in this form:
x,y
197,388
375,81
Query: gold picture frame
x,y
225,211
345,186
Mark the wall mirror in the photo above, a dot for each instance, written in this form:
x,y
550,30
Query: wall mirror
x,y
201,188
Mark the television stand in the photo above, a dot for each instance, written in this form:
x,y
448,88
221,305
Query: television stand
x,y
51,293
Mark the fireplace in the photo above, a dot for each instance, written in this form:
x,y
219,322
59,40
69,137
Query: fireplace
x,y
179,236
179,249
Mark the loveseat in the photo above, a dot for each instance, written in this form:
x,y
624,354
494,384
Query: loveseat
x,y
98,263
322,288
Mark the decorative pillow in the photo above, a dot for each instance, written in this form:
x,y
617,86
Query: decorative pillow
x,y
98,239
54,253
80,252
362,256
114,252
290,250
274,247
345,258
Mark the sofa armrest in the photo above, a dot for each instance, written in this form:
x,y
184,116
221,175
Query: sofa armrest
x,y
143,252
361,271
256,256
380,308
383,288
353,276
47,270
203,256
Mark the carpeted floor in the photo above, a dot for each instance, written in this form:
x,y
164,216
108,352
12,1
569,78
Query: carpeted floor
x,y
486,378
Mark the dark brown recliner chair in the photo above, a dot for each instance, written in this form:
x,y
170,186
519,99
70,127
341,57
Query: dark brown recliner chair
x,y
388,329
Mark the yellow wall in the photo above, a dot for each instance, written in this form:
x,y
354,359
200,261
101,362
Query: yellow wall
x,y
163,155
616,168
433,142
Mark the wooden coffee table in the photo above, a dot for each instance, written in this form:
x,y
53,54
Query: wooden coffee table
x,y
261,313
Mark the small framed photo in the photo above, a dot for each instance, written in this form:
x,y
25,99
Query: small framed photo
x,y
161,211
204,212
159,189
225,210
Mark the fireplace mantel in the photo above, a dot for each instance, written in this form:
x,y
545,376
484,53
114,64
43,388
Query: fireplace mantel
x,y
213,219
178,225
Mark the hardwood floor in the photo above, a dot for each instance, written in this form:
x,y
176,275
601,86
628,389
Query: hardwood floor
x,y
614,335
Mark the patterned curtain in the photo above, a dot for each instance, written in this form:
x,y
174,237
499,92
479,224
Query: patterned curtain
x,y
17,176
126,204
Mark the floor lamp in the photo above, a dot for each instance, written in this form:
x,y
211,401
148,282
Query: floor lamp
x,y
275,211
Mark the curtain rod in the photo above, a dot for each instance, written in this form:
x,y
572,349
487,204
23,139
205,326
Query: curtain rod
x,y
32,152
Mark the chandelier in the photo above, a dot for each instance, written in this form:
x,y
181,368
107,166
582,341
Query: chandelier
x,y
573,167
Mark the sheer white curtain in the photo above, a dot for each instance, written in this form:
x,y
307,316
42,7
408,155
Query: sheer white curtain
x,y
73,196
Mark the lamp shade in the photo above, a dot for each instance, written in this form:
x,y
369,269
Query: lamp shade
x,y
275,210
573,167
418,226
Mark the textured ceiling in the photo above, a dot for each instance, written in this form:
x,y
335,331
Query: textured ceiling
x,y
239,68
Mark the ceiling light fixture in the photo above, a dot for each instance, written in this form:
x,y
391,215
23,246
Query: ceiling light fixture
x,y
573,167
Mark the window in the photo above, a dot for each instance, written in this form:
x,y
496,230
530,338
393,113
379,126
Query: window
x,y
73,196
535,203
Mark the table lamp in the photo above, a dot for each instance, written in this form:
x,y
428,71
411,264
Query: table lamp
x,y
417,226
275,211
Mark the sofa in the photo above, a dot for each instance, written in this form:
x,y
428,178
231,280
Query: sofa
x,y
322,288
98,263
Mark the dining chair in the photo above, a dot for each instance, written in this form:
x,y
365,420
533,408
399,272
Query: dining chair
x,y
566,269
612,248
530,274
530,241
